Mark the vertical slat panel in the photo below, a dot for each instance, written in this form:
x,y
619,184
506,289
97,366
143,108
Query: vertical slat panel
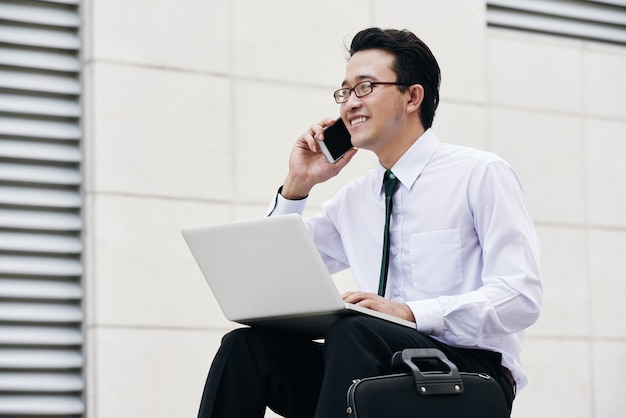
x,y
41,315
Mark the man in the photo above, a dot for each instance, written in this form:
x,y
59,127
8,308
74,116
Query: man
x,y
463,261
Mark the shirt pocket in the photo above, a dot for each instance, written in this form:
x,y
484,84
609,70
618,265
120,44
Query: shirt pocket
x,y
436,260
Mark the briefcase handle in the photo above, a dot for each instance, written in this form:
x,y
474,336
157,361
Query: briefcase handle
x,y
440,382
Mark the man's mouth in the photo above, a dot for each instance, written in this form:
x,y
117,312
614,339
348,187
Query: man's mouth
x,y
357,121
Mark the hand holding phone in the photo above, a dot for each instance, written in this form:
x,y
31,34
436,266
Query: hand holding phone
x,y
336,141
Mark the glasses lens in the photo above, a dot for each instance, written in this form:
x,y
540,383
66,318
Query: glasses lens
x,y
363,89
342,95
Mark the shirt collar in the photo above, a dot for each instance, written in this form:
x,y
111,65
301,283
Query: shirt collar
x,y
409,167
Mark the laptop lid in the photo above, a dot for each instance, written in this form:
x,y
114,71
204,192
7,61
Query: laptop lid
x,y
263,268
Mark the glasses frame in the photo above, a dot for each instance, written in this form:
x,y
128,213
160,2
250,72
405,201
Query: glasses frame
x,y
372,84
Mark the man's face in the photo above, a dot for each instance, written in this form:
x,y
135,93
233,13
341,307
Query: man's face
x,y
375,119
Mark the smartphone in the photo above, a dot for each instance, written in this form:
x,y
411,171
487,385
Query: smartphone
x,y
336,141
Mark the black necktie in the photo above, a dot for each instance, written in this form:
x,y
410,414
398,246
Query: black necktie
x,y
390,182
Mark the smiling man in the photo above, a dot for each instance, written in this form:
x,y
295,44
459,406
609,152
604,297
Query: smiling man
x,y
437,234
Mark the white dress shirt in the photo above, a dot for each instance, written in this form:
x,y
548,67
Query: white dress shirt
x,y
464,253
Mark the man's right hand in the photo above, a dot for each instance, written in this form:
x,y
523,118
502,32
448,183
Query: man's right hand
x,y
307,164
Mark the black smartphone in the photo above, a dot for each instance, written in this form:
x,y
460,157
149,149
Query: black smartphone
x,y
336,141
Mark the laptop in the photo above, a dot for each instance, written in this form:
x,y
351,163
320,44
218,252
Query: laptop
x,y
268,272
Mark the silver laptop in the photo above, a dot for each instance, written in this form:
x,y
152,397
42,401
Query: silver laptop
x,y
268,272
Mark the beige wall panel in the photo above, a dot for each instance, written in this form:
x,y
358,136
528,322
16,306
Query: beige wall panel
x,y
559,372
141,272
547,152
189,35
605,142
605,81
462,124
299,42
158,132
534,71
609,363
607,251
152,373
567,301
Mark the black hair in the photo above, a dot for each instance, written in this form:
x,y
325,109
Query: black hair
x,y
414,63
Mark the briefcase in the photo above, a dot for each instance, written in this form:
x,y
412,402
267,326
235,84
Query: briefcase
x,y
426,391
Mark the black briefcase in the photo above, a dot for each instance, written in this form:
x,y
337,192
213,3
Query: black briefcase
x,y
426,391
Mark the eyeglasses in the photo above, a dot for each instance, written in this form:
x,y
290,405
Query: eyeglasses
x,y
361,90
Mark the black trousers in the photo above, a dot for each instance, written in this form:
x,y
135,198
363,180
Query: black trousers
x,y
296,377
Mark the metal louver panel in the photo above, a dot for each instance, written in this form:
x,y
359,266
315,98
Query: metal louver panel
x,y
603,21
41,315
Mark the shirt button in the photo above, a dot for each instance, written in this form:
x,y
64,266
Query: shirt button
x,y
394,251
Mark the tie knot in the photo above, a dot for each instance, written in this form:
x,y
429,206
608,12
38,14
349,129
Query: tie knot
x,y
390,182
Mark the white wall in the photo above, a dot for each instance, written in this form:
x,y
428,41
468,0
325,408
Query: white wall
x,y
191,111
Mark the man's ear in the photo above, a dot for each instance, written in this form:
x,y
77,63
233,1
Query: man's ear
x,y
416,96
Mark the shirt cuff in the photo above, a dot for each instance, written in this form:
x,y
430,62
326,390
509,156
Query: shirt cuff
x,y
428,316
282,206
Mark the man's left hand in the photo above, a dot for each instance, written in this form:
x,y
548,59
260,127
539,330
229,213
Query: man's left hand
x,y
380,304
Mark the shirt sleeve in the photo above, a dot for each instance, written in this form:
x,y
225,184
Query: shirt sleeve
x,y
510,297
282,206
321,228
